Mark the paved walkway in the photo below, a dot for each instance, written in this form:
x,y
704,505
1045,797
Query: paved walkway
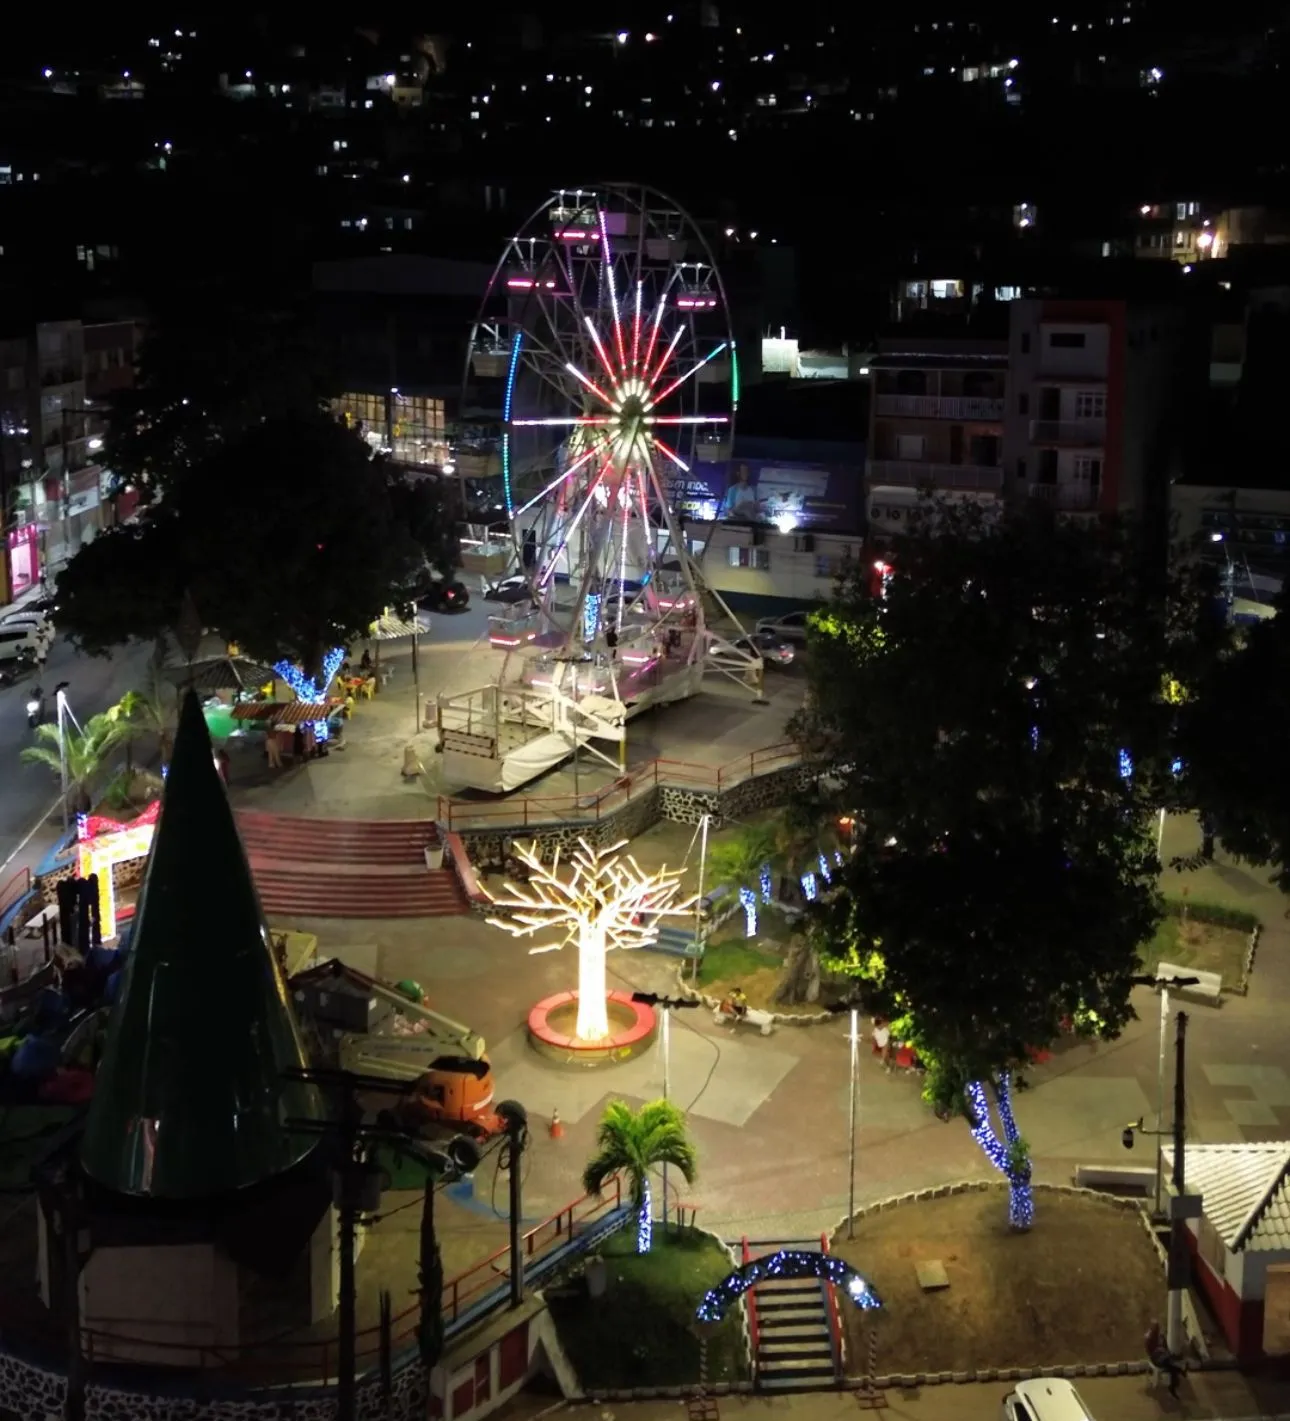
x,y
714,728
1204,1396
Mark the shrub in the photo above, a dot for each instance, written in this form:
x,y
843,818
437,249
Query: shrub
x,y
1219,915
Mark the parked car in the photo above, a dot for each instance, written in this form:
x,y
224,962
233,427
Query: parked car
x,y
1045,1399
444,596
39,624
790,627
509,589
20,647
772,649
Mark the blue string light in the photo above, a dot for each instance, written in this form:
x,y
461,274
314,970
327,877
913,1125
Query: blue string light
x,y
1021,1203
1034,737
512,369
825,869
764,882
590,616
1126,765
644,1222
306,689
787,1263
1176,768
837,857
808,886
748,902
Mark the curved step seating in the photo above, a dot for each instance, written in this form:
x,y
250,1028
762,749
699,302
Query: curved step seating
x,y
347,868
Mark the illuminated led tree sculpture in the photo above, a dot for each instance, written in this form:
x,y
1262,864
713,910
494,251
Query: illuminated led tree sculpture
x,y
608,901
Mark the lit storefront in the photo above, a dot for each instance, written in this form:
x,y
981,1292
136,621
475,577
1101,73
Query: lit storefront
x,y
408,427
22,560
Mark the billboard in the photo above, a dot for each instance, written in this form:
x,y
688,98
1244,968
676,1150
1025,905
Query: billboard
x,y
786,493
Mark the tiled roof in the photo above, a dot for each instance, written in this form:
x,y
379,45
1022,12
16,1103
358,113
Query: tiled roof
x,y
1247,1197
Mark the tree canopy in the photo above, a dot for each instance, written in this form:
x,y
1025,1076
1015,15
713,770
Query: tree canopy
x,y
288,536
1232,745
1000,723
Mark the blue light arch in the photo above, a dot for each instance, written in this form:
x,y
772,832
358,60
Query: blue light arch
x,y
787,1263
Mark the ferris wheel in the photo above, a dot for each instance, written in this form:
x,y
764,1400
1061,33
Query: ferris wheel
x,y
606,323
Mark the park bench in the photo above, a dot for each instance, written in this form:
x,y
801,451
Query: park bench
x,y
1208,987
1115,1176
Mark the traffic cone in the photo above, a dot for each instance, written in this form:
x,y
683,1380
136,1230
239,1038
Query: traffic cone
x,y
557,1129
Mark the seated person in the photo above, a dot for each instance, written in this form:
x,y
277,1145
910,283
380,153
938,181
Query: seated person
x,y
1159,1355
739,1003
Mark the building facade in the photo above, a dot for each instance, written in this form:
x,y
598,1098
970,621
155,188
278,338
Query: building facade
x,y
55,380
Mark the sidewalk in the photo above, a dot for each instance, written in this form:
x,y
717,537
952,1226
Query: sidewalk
x,y
1203,1396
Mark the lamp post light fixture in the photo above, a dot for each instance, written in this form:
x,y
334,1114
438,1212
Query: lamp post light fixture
x,y
64,713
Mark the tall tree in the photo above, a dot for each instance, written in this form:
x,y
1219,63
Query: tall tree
x,y
634,1142
314,551
1231,744
998,720
82,751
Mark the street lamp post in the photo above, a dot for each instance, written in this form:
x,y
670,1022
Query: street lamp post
x,y
60,703
698,902
855,1074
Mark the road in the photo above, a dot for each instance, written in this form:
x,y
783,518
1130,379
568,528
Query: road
x,y
27,792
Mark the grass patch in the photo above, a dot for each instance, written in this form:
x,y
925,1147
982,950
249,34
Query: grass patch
x,y
1194,942
638,1333
729,959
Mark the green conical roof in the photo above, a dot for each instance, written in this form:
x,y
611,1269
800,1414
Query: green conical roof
x,y
191,1099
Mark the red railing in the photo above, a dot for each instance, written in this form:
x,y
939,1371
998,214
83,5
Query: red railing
x,y
750,1301
529,810
282,1360
835,1322
14,890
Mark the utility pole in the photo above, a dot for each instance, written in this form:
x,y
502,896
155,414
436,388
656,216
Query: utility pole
x,y
416,671
348,1185
1179,1255
517,1135
698,902
855,1074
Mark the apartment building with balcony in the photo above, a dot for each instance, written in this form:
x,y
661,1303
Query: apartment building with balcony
x,y
55,377
936,424
1098,400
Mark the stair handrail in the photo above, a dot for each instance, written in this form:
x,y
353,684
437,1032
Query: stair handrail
x,y
835,1322
750,1299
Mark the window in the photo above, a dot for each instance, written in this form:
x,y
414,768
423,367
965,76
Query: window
x,y
1023,404
910,446
1090,404
1088,470
828,567
756,558
418,430
1066,340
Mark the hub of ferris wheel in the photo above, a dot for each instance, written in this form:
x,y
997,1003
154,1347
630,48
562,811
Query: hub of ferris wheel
x,y
606,326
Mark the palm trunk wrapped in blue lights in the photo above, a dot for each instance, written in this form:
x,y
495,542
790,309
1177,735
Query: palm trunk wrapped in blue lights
x,y
1009,1155
644,1219
308,690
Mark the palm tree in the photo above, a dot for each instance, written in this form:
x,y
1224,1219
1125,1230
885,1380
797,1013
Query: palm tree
x,y
148,710
86,749
632,1142
743,863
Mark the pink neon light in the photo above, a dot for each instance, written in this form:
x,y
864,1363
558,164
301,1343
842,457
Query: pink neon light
x,y
571,235
562,420
685,419
636,328
638,659
695,303
505,641
526,283
673,455
653,335
681,379
613,293
600,349
667,355
590,384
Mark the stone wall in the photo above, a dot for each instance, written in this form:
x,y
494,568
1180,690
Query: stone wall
x,y
35,1393
672,802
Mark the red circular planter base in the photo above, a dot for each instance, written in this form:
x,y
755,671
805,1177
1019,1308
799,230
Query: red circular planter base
x,y
632,1028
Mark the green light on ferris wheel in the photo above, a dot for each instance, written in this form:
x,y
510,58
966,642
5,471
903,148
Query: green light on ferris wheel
x,y
734,376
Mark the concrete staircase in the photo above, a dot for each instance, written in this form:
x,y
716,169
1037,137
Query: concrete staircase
x,y
794,1324
347,868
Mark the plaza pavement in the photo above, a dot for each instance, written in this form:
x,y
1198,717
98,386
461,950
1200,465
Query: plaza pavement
x,y
1203,1396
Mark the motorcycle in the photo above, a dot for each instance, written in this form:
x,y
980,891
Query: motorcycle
x,y
35,708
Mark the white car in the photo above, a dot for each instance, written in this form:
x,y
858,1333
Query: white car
x,y
39,624
790,627
1045,1399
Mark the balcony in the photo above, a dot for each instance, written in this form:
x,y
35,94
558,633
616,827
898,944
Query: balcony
x,y
905,473
1072,434
941,407
1070,498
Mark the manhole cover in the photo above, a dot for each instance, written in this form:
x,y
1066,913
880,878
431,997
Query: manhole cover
x,y
932,1275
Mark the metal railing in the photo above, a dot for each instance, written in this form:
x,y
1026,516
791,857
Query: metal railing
x,y
471,1295
941,406
14,890
915,473
1085,433
525,811
835,1322
750,1299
